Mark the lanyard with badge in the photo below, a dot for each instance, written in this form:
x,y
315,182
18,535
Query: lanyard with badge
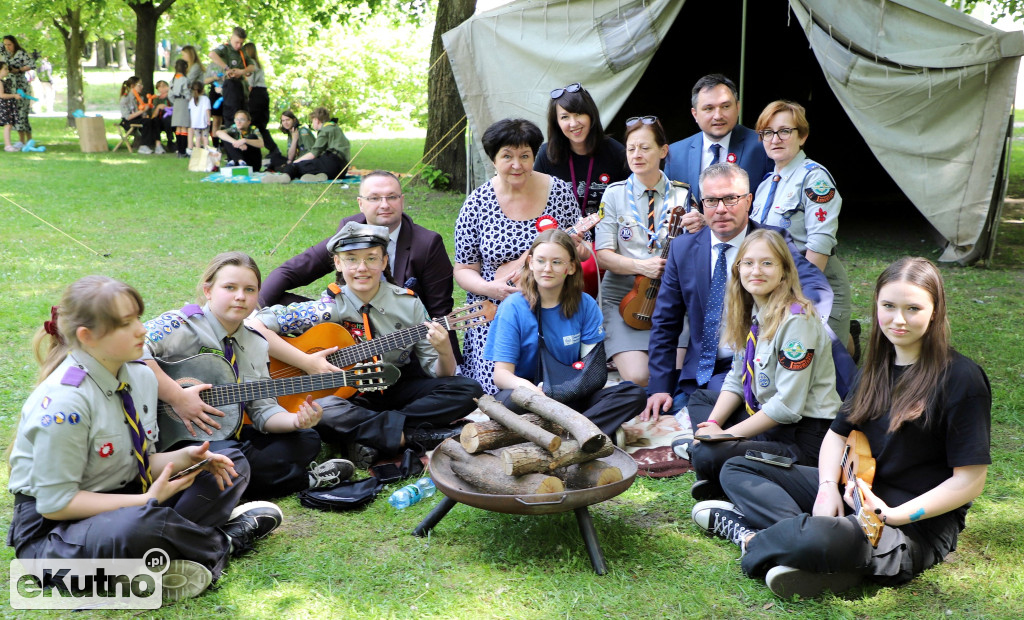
x,y
654,240
586,190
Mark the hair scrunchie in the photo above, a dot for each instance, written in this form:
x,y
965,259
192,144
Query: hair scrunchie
x,y
51,326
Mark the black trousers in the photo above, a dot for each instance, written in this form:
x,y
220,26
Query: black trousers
x,y
234,99
800,441
185,526
378,419
251,156
608,407
328,163
165,128
779,502
149,132
278,159
278,461
259,110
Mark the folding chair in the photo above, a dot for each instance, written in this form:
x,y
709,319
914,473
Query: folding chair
x,y
126,136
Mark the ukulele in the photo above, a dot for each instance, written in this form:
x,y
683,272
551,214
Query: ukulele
x,y
511,269
229,395
637,305
326,335
858,465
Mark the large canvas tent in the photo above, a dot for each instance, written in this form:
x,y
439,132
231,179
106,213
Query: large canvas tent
x,y
909,100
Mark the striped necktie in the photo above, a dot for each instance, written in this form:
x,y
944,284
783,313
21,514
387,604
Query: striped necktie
x,y
139,443
650,212
229,355
748,371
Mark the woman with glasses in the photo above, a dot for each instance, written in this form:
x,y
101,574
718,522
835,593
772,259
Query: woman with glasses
x,y
631,238
498,222
578,151
780,394
553,312
801,197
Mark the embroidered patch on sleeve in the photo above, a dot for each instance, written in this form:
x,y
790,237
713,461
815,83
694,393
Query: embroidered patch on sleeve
x,y
794,356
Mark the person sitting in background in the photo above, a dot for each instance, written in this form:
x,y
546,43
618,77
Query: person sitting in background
x,y
161,102
134,112
241,144
300,141
327,158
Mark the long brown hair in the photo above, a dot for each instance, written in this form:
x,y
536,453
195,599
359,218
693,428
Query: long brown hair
x,y
572,288
910,396
220,261
739,302
89,302
194,55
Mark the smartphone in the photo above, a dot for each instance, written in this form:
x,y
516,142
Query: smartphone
x,y
771,459
386,472
188,470
718,437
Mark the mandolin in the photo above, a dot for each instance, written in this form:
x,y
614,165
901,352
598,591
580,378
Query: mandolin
x,y
229,395
637,306
858,465
511,269
326,335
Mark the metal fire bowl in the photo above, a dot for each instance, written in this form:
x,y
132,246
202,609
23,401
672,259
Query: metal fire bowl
x,y
539,504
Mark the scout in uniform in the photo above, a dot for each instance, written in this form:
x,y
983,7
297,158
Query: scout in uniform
x,y
232,62
279,445
426,397
86,478
781,389
241,143
325,160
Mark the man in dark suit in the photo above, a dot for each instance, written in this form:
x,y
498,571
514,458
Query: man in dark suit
x,y
686,291
417,256
716,108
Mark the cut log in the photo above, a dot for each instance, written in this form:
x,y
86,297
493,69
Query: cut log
x,y
515,423
485,473
585,432
527,458
482,436
589,475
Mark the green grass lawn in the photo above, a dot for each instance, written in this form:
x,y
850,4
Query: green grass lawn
x,y
151,223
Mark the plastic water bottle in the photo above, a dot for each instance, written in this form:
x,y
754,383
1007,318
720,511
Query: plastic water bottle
x,y
412,493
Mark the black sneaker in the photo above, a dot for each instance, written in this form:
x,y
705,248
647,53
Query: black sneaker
x,y
430,438
330,473
682,446
718,518
786,581
185,579
703,490
250,522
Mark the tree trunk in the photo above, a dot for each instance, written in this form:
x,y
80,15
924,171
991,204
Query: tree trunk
x,y
443,150
147,17
103,53
70,27
122,54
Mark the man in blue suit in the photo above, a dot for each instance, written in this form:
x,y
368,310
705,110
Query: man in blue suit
x,y
686,291
716,108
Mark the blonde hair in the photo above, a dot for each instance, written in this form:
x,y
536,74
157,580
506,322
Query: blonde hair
x,y
739,302
572,288
89,302
226,259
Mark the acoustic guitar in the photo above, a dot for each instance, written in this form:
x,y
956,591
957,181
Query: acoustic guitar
x,y
326,335
637,306
857,464
228,395
506,272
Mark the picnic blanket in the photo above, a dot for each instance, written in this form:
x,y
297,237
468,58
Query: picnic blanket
x,y
650,445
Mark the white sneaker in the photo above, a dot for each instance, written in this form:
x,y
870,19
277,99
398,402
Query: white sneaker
x,y
188,152
18,144
144,150
159,150
785,581
185,579
314,178
275,177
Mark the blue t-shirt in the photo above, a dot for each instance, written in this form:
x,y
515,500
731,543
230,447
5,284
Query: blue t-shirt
x,y
513,334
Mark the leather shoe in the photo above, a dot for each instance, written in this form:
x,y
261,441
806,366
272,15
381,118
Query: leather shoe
x,y
430,438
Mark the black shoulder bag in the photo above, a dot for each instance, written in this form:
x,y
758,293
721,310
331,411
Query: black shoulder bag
x,y
569,383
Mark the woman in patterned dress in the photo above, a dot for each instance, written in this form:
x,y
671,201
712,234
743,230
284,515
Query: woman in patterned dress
x,y
498,222
19,62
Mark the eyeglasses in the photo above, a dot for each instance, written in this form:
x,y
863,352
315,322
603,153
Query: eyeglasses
x,y
575,87
557,264
371,262
646,120
766,134
374,200
765,264
729,201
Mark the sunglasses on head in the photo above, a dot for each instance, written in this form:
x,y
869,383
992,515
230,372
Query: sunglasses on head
x,y
646,120
571,88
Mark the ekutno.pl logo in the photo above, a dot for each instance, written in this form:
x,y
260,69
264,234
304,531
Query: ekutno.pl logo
x,y
51,583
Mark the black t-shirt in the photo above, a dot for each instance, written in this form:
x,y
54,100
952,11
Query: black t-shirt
x,y
917,458
609,167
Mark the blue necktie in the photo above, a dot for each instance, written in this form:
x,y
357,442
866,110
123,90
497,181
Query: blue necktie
x,y
716,150
712,319
771,197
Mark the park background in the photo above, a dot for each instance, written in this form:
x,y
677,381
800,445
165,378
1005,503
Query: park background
x,y
148,221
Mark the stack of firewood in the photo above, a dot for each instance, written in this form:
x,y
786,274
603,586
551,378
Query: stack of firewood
x,y
561,451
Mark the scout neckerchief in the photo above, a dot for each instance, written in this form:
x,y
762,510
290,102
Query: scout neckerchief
x,y
748,370
653,231
139,444
229,355
586,190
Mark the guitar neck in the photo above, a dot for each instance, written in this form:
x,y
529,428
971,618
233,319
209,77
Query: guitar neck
x,y
228,394
382,344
